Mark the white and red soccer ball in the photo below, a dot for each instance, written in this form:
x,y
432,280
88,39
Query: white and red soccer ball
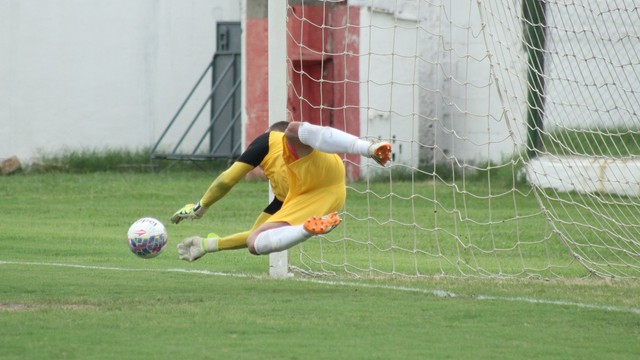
x,y
147,237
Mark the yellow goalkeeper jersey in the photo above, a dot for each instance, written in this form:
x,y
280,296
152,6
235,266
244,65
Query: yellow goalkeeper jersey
x,y
266,152
274,167
317,186
313,185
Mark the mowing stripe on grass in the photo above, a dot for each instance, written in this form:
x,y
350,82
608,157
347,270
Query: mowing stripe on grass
x,y
557,302
438,293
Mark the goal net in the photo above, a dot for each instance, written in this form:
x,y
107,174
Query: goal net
x,y
515,130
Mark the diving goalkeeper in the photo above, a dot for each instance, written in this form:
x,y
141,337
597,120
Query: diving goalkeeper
x,y
297,156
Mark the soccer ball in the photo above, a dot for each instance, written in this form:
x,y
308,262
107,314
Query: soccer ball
x,y
147,237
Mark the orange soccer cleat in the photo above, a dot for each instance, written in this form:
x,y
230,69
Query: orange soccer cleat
x,y
322,225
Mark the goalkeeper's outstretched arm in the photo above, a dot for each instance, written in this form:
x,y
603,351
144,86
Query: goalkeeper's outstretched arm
x,y
218,189
225,182
250,159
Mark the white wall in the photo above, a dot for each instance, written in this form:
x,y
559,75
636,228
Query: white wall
x,y
469,66
593,65
97,74
389,82
427,80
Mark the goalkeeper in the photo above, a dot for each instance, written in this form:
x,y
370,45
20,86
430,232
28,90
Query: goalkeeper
x,y
297,156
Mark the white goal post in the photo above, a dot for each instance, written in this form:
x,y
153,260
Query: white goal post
x,y
515,129
277,10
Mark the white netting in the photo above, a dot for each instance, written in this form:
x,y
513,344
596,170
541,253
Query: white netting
x,y
515,130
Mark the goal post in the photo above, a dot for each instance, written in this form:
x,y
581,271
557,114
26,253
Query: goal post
x,y
514,124
277,53
534,36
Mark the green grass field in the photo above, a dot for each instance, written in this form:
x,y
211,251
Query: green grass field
x,y
70,289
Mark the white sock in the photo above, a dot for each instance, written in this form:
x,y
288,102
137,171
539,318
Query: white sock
x,y
330,140
210,244
279,239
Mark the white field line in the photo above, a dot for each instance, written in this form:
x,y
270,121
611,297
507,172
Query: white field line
x,y
438,293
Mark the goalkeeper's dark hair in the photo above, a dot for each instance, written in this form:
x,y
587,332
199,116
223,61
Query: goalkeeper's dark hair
x,y
280,126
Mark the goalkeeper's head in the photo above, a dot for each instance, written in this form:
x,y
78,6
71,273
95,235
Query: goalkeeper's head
x,y
280,126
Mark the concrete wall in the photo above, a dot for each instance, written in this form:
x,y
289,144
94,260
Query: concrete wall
x,y
427,82
389,83
452,76
97,74
594,70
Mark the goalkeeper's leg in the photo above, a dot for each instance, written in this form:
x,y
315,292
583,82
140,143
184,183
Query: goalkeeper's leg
x,y
284,237
239,240
331,140
233,242
195,247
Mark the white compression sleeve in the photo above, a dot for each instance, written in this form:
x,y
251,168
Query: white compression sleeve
x,y
279,239
330,140
210,244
